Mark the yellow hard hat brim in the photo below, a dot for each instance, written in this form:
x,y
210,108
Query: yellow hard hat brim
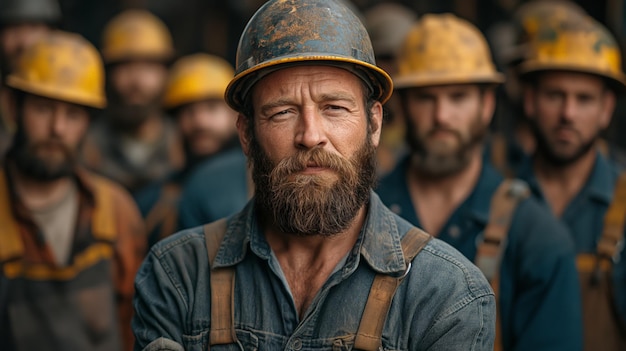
x,y
74,97
530,68
425,80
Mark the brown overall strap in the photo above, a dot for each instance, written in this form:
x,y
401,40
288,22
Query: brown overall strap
x,y
369,335
222,286
612,237
489,252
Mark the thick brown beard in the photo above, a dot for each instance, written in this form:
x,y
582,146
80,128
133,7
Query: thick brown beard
x,y
310,205
439,165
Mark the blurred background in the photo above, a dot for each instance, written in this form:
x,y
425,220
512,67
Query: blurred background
x,y
214,26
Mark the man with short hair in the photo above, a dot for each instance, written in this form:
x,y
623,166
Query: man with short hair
x,y
446,81
315,260
572,77
71,241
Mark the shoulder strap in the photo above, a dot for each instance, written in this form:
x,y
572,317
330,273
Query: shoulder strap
x,y
369,335
12,245
613,229
222,286
503,204
489,252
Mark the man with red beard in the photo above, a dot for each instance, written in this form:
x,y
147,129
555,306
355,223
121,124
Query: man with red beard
x,y
446,81
194,96
572,77
315,260
134,143
70,241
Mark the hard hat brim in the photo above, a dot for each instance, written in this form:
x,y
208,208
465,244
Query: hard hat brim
x,y
235,93
618,82
425,80
54,93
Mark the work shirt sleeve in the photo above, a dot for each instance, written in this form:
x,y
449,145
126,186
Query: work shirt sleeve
x,y
453,332
159,308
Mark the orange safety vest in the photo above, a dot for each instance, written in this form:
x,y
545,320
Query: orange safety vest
x,y
86,301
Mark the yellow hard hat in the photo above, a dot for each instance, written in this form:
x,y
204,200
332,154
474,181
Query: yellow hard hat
x,y
62,66
585,47
530,17
197,77
136,35
444,49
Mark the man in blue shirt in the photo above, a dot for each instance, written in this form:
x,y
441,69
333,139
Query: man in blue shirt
x,y
572,76
446,84
194,96
217,188
315,261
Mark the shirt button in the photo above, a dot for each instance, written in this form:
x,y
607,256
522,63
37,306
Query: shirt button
x,y
395,208
454,231
296,344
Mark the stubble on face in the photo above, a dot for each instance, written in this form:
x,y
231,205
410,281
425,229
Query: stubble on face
x,y
562,153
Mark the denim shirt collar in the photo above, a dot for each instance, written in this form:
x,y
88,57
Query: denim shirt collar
x,y
599,186
379,242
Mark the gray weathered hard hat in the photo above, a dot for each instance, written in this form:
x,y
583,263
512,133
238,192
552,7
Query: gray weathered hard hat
x,y
292,32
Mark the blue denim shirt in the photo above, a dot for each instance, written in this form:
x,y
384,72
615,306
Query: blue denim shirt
x,y
584,216
444,303
539,296
216,189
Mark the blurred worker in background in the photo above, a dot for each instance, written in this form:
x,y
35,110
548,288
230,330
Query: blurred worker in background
x,y
513,140
133,142
387,24
572,77
446,81
71,241
22,22
194,96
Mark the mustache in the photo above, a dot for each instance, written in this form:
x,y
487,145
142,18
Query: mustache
x,y
443,129
312,158
48,144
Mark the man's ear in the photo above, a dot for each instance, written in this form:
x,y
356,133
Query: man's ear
x,y
529,102
376,122
607,109
489,105
242,131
